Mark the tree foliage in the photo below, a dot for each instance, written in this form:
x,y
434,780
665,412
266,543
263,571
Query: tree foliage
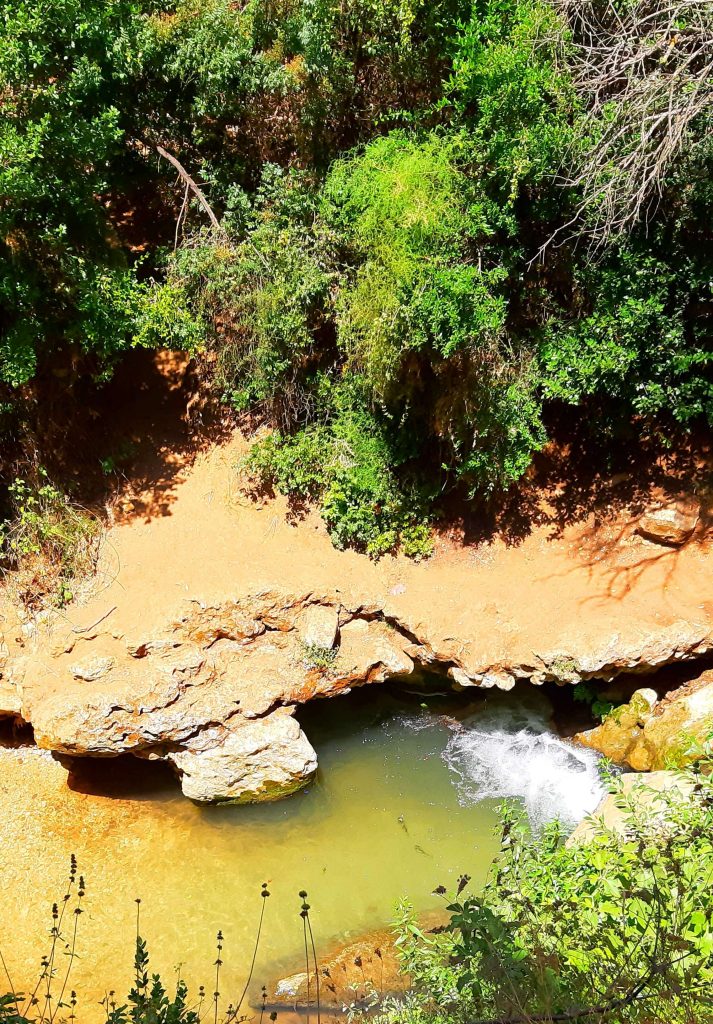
x,y
402,199
59,274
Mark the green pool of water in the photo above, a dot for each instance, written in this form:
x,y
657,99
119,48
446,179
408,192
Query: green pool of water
x,y
381,821
386,817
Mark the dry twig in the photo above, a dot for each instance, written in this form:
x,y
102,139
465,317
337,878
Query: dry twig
x,y
644,71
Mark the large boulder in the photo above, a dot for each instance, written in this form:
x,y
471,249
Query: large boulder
x,y
670,524
214,692
649,735
261,760
677,727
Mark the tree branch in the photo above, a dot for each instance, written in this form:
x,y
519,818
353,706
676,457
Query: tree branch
x,y
190,183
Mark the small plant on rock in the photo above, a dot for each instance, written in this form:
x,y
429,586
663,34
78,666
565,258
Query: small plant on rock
x,y
586,693
313,656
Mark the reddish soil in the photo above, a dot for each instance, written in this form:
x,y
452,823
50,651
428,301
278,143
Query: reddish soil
x,y
182,526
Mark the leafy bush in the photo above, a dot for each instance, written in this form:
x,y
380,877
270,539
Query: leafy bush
x,y
424,314
45,527
616,928
263,300
640,339
511,86
319,73
409,213
346,464
57,59
397,187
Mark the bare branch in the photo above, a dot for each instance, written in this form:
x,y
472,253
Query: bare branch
x,y
644,71
190,183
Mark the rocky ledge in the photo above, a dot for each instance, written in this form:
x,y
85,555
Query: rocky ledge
x,y
215,691
649,734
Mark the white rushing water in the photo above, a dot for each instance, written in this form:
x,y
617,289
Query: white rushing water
x,y
509,750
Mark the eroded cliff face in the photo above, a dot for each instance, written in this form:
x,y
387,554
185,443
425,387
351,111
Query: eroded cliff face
x,y
214,691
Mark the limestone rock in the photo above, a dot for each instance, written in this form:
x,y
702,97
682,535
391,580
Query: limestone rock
x,y
646,788
258,760
319,627
678,725
460,678
201,688
619,732
370,652
500,679
92,669
670,524
10,701
641,652
360,973
149,645
650,735
11,679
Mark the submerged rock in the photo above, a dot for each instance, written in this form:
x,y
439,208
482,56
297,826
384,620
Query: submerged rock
x,y
360,973
649,734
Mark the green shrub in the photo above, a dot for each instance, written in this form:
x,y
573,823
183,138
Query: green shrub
x,y
616,928
347,465
420,309
640,339
263,300
53,541
59,271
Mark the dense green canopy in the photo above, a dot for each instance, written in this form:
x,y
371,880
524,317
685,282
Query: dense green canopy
x,y
438,221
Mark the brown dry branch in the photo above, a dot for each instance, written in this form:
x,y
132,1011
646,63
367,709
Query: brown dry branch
x,y
644,71
189,183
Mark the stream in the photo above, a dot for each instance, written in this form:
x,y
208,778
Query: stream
x,y
405,800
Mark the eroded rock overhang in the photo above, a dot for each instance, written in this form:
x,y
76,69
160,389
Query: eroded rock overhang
x,y
214,692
